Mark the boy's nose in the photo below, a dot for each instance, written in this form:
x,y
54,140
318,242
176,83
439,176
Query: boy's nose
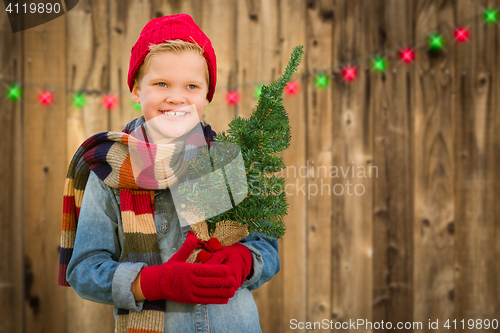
x,y
175,97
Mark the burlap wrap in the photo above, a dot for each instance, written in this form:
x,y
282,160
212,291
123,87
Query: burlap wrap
x,y
227,232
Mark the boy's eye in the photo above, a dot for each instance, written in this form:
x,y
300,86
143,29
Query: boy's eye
x,y
192,86
160,84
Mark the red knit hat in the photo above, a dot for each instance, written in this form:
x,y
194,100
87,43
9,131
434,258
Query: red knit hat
x,y
172,27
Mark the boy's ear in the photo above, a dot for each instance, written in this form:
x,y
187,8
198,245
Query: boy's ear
x,y
135,93
206,102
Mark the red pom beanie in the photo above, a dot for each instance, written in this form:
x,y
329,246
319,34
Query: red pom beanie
x,y
172,27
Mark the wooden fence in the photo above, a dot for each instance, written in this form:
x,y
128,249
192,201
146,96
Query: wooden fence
x,y
415,240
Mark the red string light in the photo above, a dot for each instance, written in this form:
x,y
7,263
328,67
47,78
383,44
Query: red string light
x,y
292,88
407,55
45,98
461,34
349,73
232,97
110,102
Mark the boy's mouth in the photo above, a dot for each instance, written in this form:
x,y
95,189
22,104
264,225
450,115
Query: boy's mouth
x,y
175,114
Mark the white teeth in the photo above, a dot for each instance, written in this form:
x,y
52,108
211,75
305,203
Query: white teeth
x,y
174,114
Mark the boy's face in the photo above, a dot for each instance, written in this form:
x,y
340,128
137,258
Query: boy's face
x,y
174,81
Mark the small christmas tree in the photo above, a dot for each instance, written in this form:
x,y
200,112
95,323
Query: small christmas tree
x,y
245,159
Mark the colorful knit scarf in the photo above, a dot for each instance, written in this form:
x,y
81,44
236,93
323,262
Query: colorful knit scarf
x,y
108,155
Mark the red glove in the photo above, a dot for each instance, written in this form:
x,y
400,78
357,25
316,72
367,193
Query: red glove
x,y
182,282
239,260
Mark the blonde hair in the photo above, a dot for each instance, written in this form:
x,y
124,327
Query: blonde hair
x,y
178,46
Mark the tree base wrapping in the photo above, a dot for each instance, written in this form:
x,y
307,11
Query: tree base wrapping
x,y
226,232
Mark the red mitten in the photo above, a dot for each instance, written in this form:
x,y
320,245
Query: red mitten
x,y
182,282
238,258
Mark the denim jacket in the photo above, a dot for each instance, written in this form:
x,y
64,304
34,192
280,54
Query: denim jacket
x,y
97,270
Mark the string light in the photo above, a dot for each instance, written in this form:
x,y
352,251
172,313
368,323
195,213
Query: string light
x,y
349,73
461,34
45,97
379,64
436,42
136,106
110,102
321,81
258,91
14,92
490,16
232,97
292,88
407,55
78,100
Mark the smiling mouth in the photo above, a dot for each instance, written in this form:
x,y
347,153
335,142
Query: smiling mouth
x,y
174,113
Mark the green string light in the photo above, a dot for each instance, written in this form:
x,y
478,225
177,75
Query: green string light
x,y
491,16
321,81
79,100
379,64
14,92
136,106
436,42
258,91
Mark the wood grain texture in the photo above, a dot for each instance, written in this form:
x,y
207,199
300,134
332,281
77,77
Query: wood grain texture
x,y
492,37
476,293
390,95
44,172
127,18
11,193
88,68
217,19
352,148
434,170
293,250
319,103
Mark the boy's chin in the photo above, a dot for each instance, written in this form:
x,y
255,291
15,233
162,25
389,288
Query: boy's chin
x,y
174,134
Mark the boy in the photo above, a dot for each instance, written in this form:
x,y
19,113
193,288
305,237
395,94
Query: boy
x,y
127,251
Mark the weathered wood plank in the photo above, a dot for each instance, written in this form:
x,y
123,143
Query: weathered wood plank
x,y
476,269
258,49
217,19
127,19
353,149
44,171
87,68
434,163
319,48
293,247
393,187
11,166
493,37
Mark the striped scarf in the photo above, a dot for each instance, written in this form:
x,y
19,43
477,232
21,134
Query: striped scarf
x,y
110,156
